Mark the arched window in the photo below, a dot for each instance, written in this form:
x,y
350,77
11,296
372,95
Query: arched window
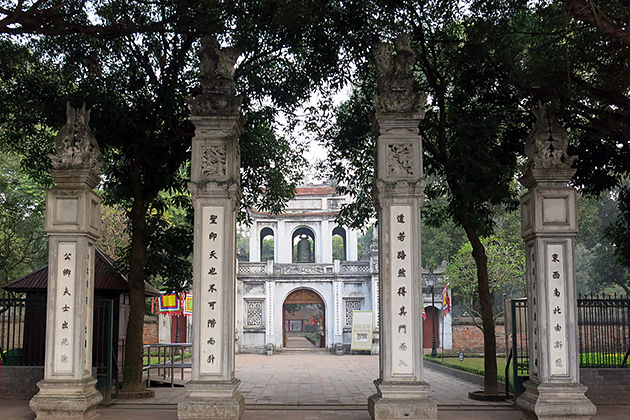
x,y
303,244
339,243
267,244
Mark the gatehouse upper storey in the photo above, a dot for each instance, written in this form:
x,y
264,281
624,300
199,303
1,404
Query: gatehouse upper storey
x,y
304,232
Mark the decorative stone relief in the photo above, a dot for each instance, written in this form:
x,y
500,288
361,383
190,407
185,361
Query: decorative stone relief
x,y
212,162
395,81
75,145
546,146
218,93
351,305
303,270
400,159
254,313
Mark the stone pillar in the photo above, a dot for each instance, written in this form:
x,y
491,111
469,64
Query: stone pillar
x,y
72,223
399,194
254,243
549,227
212,392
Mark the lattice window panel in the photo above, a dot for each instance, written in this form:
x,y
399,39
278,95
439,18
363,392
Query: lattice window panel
x,y
351,305
254,313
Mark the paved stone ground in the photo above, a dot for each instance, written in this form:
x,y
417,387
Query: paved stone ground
x,y
311,387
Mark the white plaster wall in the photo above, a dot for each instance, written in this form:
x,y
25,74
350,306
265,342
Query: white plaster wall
x,y
164,329
351,247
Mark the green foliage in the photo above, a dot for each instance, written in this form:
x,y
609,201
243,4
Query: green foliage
x,y
597,269
338,251
267,251
506,271
23,244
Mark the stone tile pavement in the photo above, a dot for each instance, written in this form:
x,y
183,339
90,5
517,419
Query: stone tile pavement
x,y
312,387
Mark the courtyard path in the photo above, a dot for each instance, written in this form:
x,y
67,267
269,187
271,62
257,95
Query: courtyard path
x,y
312,387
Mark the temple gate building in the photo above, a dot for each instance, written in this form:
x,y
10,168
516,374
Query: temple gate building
x,y
305,277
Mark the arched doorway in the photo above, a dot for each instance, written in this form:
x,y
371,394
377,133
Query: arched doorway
x,y
432,323
303,320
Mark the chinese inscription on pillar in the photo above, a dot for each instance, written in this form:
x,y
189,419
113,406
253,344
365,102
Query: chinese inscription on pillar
x,y
556,333
401,296
211,302
64,311
531,256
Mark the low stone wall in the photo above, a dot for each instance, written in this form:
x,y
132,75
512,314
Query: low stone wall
x,y
20,382
150,330
468,338
607,386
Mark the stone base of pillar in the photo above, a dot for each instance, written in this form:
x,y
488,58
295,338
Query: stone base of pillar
x,y
375,343
555,402
66,399
212,401
402,400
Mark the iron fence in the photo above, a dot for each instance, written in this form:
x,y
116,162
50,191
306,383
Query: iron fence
x,y
603,331
22,328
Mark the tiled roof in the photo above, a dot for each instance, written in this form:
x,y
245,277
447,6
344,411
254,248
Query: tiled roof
x,y
323,190
106,278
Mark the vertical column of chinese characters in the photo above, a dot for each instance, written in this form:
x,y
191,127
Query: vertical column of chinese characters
x,y
531,256
212,291
402,304
64,310
557,322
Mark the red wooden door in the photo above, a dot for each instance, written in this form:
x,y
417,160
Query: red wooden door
x,y
433,319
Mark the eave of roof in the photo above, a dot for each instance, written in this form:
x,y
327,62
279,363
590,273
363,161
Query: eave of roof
x,y
106,278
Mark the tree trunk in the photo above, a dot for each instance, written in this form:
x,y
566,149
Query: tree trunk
x,y
132,370
486,301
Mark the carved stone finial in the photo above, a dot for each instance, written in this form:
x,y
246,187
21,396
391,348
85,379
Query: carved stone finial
x,y
546,146
76,146
218,92
395,91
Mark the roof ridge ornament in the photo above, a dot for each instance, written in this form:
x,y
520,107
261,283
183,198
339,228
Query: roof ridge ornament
x,y
395,81
75,145
218,90
546,146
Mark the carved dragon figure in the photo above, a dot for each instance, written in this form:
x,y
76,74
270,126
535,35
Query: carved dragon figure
x,y
75,145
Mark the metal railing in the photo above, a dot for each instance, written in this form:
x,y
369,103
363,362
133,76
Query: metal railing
x,y
164,360
22,329
603,331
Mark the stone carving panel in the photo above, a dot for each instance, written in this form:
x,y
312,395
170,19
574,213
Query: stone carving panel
x,y
213,163
400,159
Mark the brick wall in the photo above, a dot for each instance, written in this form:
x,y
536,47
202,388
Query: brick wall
x,y
469,339
150,330
606,386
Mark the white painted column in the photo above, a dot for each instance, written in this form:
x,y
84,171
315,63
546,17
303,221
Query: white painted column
x,y
549,227
254,243
351,246
326,229
284,246
399,194
72,223
215,189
